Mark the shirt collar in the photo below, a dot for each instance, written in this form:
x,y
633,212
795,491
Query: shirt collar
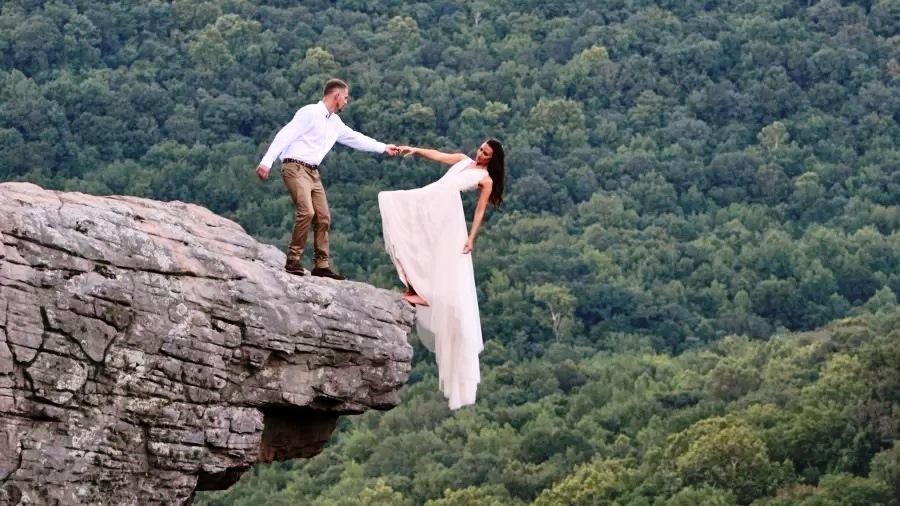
x,y
325,109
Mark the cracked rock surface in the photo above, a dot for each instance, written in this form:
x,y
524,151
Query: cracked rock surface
x,y
150,349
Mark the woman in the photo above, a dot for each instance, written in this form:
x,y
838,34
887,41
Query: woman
x,y
425,236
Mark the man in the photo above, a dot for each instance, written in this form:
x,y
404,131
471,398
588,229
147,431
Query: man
x,y
301,145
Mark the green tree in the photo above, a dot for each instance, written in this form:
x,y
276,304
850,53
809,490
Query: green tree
x,y
600,482
886,467
727,454
773,137
702,496
835,489
560,305
558,124
475,496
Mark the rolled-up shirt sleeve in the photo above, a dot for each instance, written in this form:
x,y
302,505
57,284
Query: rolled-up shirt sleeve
x,y
286,135
351,138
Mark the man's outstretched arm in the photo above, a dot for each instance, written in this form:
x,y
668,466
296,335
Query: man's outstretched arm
x,y
351,138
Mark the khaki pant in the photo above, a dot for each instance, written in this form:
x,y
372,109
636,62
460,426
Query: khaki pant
x,y
305,186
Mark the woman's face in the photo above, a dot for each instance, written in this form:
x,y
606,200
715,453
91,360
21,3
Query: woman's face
x,y
484,154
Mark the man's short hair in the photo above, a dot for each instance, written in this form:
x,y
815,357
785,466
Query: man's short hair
x,y
332,84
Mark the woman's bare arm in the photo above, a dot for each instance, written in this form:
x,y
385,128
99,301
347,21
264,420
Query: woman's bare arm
x,y
432,154
486,186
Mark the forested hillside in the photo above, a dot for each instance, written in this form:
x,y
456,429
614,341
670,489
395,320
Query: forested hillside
x,y
802,419
696,190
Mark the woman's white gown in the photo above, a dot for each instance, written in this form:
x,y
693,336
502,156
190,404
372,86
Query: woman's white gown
x,y
424,233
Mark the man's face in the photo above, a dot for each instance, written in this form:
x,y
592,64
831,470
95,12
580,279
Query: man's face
x,y
342,98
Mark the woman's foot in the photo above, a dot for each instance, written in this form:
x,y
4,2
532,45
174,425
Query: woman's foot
x,y
411,296
414,299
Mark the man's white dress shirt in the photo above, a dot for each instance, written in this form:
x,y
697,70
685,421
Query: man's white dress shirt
x,y
311,135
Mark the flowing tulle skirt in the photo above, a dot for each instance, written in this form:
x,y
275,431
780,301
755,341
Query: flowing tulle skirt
x,y
424,233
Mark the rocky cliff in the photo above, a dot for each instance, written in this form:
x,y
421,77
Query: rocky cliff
x,y
151,349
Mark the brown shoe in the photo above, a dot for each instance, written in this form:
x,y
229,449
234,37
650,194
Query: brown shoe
x,y
326,272
294,267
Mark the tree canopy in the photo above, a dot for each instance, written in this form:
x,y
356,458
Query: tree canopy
x,y
695,190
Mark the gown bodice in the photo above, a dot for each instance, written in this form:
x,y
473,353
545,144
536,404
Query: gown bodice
x,y
461,176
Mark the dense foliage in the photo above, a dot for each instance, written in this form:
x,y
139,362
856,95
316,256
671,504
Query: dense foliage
x,y
800,419
679,171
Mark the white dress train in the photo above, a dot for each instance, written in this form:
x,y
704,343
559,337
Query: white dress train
x,y
424,234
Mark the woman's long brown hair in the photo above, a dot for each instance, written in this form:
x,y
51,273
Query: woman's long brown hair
x,y
497,170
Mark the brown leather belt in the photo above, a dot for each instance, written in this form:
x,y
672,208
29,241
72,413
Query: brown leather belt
x,y
300,162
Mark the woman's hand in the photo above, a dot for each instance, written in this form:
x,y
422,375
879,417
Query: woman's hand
x,y
408,150
469,246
